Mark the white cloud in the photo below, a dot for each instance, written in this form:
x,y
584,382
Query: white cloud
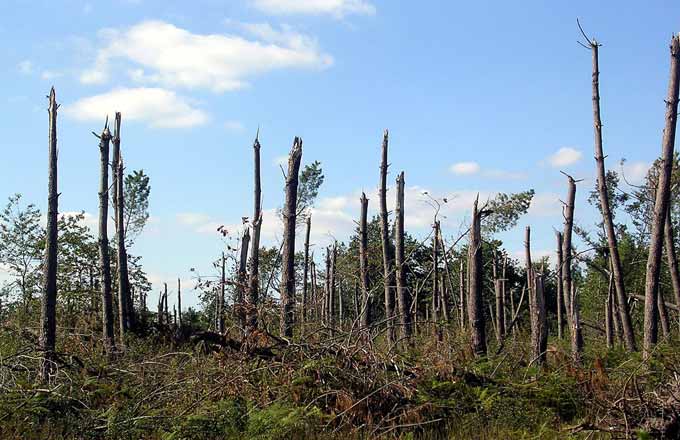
x,y
25,67
235,126
635,172
465,168
281,161
545,204
192,218
49,74
155,106
161,53
565,156
335,8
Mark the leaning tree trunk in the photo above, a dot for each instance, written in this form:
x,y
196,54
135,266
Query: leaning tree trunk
x,y
560,291
305,274
254,281
567,288
104,257
388,251
671,256
287,287
661,203
607,218
48,318
365,306
475,299
403,301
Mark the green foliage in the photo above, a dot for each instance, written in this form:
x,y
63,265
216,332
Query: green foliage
x,y
136,213
506,209
311,179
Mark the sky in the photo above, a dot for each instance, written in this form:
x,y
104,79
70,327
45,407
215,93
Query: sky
x,y
479,98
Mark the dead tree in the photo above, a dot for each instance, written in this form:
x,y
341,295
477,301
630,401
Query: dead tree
x,y
104,257
48,316
325,305
461,285
242,278
166,317
365,306
537,313
567,287
254,281
287,287
388,250
179,302
475,299
435,281
671,256
560,291
332,287
305,274
219,303
661,203
403,300
605,209
608,313
540,316
500,303
446,292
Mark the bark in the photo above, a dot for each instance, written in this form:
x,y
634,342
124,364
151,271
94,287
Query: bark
x,y
500,304
219,309
575,324
48,318
475,300
608,314
387,249
560,291
365,311
540,349
435,281
104,257
331,287
461,285
305,275
287,287
607,218
254,281
535,316
663,315
567,287
400,261
242,278
179,302
449,291
661,203
671,256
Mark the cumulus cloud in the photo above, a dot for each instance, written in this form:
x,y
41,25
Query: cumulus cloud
x,y
465,168
160,53
565,156
545,204
335,8
635,172
154,106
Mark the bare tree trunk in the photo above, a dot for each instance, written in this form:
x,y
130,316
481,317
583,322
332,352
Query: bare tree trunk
x,y
534,309
219,303
242,282
576,336
663,315
400,261
607,218
48,316
365,311
325,305
305,275
435,281
287,288
500,304
461,284
254,281
671,256
608,313
449,291
179,302
541,320
104,257
388,251
315,296
475,300
560,291
331,287
577,344
661,203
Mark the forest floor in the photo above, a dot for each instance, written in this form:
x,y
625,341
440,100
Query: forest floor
x,y
333,387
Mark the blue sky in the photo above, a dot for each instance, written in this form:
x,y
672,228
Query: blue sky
x,y
478,96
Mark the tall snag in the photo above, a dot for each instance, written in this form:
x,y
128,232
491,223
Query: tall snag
x,y
365,306
435,281
305,273
661,203
179,303
387,249
219,301
287,287
242,277
567,287
539,335
400,261
104,257
607,218
475,299
48,319
560,291
671,256
254,281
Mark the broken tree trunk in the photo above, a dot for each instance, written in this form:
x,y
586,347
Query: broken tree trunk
x,y
104,257
475,300
254,281
331,287
48,315
541,347
671,256
242,279
219,306
567,288
365,310
608,313
605,209
461,285
179,302
305,274
661,203
435,282
403,301
388,251
287,287
560,291
500,304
